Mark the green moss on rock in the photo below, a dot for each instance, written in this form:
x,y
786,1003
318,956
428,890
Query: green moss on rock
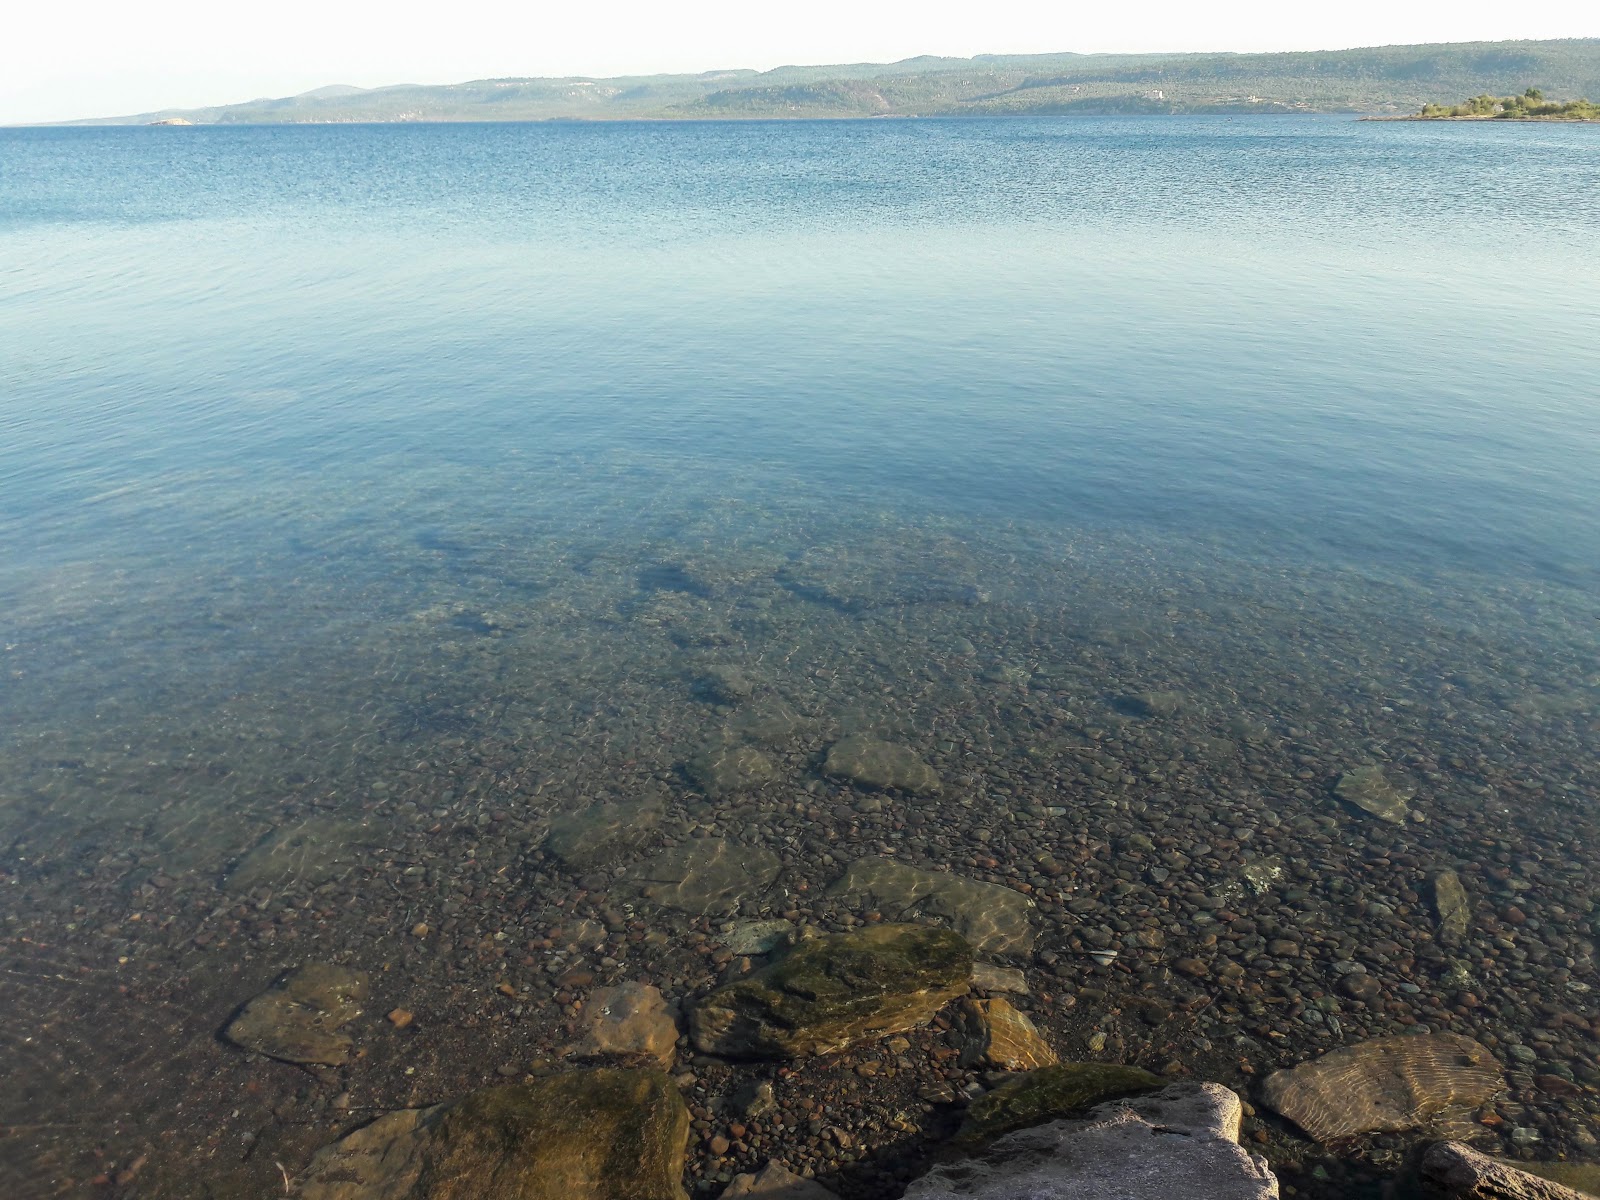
x,y
1051,1093
830,992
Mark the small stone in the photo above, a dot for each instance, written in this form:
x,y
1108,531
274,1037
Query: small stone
x,y
775,1182
1368,789
986,977
718,1145
630,1018
400,1017
997,1035
419,930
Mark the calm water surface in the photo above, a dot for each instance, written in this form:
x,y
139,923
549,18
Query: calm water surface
x,y
407,488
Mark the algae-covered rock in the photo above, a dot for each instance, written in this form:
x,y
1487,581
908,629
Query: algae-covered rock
x,y
995,1034
1370,790
706,874
831,991
1050,1093
875,764
582,1135
1384,1084
993,919
725,770
299,1018
598,836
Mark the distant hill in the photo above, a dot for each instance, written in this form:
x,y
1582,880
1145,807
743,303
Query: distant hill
x,y
1386,79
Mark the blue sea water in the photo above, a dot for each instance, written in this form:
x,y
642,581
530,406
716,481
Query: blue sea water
x,y
329,451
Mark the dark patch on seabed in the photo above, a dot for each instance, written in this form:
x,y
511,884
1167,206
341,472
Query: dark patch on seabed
x,y
1147,740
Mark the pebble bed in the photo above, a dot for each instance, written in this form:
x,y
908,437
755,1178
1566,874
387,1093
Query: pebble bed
x,y
1144,738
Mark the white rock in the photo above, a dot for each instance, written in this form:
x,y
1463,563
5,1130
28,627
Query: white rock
x,y
1181,1142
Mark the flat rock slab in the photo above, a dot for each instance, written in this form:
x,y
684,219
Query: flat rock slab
x,y
306,853
583,1135
993,919
833,991
774,1182
599,836
299,1018
1050,1093
1368,789
1179,1142
1384,1085
630,1019
706,875
726,770
1457,1172
871,763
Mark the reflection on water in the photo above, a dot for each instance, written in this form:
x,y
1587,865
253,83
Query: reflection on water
x,y
376,499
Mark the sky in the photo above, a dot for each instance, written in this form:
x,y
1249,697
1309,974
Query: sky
x,y
108,57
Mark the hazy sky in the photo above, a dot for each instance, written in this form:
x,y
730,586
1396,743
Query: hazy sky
x,y
103,57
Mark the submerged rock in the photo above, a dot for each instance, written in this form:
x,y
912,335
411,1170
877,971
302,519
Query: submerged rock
x,y
1384,1085
599,836
775,1182
630,1018
1454,909
725,685
986,977
1370,790
298,1019
583,1135
758,937
1050,1093
1455,1172
832,991
871,763
706,875
726,770
993,919
1183,1141
306,853
995,1034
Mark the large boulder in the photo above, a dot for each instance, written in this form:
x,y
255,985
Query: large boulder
x,y
832,991
993,919
874,764
583,1135
1384,1085
300,1018
304,854
1050,1093
1181,1141
722,770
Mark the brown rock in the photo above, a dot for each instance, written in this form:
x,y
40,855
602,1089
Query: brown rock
x,y
997,1035
630,1018
1385,1084
776,1183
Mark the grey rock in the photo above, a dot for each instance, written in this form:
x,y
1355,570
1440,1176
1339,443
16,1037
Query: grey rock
x,y
1452,1171
1454,909
1368,789
706,875
726,770
757,937
986,977
299,1019
307,853
598,836
993,919
1180,1141
872,763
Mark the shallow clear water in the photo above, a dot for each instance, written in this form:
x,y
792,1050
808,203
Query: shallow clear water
x,y
420,474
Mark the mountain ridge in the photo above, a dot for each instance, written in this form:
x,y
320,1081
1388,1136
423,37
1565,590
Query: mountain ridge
x,y
1372,80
